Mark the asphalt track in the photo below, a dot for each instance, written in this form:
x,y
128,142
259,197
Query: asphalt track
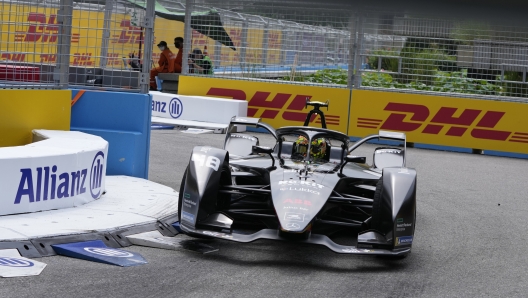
x,y
470,241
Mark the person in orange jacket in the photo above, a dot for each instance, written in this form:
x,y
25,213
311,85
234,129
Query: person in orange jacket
x,y
165,64
178,43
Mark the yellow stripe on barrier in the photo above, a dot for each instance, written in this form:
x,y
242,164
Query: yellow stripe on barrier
x,y
277,104
24,110
440,120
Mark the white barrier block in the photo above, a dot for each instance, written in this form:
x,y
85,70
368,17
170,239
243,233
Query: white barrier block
x,y
62,170
197,108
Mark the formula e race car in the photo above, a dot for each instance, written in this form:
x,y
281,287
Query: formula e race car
x,y
308,188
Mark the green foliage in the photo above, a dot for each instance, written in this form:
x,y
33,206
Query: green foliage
x,y
421,59
388,64
514,89
455,82
324,76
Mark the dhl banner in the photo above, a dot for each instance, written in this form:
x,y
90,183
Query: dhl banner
x,y
31,34
439,120
277,104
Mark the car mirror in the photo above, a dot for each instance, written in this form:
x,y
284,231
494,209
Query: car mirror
x,y
357,159
385,157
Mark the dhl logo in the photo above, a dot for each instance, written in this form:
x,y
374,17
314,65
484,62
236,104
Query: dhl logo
x,y
272,108
43,29
83,59
444,117
129,34
14,57
22,57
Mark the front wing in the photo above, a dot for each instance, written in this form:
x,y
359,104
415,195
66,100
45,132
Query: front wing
x,y
312,239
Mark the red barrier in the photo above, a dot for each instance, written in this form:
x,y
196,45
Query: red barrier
x,y
19,73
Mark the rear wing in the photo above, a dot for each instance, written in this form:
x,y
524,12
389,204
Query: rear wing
x,y
248,121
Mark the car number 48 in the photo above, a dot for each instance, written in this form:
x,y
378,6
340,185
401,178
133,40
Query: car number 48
x,y
207,161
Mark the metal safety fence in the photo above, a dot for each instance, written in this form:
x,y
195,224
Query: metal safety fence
x,y
112,45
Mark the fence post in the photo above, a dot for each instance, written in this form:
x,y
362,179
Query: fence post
x,y
265,45
109,5
187,35
148,24
64,19
354,58
244,44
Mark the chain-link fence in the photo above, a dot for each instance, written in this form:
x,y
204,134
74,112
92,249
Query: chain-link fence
x,y
301,42
58,44
422,53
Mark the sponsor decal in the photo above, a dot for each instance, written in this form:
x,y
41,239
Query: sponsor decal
x,y
96,175
474,123
292,226
189,217
404,240
175,108
295,208
189,203
300,189
300,182
159,106
186,195
243,137
297,202
109,252
274,104
15,262
203,160
399,220
400,226
129,34
48,183
355,250
290,216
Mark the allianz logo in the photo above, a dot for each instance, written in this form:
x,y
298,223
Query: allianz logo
x,y
48,183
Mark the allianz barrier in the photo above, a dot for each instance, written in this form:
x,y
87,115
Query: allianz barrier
x,y
62,169
436,122
196,111
122,119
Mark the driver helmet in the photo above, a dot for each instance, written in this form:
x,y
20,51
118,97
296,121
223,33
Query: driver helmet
x,y
318,148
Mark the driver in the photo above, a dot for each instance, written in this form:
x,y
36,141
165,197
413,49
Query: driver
x,y
318,148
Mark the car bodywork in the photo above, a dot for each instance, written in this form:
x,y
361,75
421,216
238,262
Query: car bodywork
x,y
244,192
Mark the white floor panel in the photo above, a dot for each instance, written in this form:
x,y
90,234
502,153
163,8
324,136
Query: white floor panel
x,y
128,202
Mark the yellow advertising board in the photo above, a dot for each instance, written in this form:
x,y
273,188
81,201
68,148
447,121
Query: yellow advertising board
x,y
440,120
25,110
31,35
277,104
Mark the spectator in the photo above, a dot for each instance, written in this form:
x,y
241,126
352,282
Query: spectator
x,y
200,63
166,58
178,43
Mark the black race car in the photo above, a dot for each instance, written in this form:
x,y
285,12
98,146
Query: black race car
x,y
308,188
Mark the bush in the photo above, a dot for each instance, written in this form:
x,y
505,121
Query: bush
x,y
325,76
454,82
388,64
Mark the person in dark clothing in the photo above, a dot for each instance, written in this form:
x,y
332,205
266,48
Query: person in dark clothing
x,y
178,43
200,63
